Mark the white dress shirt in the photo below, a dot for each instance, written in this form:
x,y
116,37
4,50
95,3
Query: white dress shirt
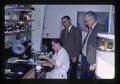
x,y
62,62
70,28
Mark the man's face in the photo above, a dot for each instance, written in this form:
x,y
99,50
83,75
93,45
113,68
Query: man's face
x,y
89,21
66,23
54,46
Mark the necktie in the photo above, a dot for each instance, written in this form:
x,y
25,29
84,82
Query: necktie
x,y
88,33
85,39
67,32
84,45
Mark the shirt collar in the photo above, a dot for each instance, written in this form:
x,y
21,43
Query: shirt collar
x,y
70,27
94,25
57,53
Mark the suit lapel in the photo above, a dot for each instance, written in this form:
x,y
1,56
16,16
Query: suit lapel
x,y
70,32
94,29
90,38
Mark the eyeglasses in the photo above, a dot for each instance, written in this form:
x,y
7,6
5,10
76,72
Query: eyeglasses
x,y
87,21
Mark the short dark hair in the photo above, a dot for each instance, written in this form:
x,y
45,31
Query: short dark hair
x,y
57,40
91,13
66,17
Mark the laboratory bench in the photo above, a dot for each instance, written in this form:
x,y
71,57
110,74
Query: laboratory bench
x,y
16,68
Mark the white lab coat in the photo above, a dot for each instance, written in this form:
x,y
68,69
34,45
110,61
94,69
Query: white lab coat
x,y
62,62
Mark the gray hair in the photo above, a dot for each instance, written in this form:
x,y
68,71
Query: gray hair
x,y
91,13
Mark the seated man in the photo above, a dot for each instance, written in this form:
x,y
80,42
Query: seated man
x,y
60,61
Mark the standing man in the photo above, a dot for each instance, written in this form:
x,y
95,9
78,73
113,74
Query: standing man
x,y
90,43
71,39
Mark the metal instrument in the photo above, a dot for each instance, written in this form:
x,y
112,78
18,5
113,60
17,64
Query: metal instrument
x,y
19,48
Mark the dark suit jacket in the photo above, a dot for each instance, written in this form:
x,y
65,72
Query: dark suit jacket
x,y
93,43
72,43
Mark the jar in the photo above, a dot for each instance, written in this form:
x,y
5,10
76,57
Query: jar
x,y
106,42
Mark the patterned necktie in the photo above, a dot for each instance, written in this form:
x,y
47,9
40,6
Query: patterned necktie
x,y
85,39
89,31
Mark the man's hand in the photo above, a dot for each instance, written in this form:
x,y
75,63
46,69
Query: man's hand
x,y
46,64
74,59
42,56
92,67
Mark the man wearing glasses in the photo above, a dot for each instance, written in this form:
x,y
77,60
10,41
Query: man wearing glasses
x,y
60,61
88,60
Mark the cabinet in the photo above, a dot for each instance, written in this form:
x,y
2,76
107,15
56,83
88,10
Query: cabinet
x,y
105,56
18,27
18,19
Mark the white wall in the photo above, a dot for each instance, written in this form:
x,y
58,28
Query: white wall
x,y
111,20
54,13
37,26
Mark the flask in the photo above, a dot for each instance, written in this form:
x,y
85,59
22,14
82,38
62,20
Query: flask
x,y
37,71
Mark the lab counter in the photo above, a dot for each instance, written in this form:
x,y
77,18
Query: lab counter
x,y
105,62
16,70
31,74
23,69
105,56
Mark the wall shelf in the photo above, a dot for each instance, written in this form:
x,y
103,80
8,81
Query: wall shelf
x,y
10,20
21,9
25,23
18,32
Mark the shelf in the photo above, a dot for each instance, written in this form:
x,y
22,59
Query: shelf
x,y
21,9
105,50
18,32
19,20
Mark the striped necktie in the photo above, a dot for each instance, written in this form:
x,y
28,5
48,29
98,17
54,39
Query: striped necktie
x,y
85,39
89,32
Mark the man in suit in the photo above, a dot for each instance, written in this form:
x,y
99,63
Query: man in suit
x,y
90,43
71,39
